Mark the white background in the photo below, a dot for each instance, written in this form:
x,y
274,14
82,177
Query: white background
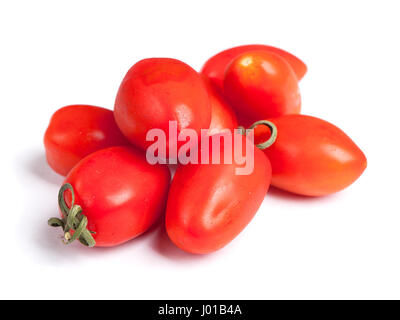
x,y
55,53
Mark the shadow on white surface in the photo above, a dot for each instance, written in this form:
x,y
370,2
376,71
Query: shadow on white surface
x,y
288,196
54,250
38,166
49,242
164,246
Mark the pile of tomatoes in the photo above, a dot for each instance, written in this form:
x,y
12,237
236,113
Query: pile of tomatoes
x,y
112,194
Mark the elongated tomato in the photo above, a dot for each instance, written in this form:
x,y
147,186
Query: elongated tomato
x,y
222,115
313,157
215,67
210,204
76,131
117,197
260,85
159,90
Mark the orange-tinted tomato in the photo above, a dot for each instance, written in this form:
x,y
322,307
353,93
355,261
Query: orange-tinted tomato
x,y
77,131
260,85
222,115
215,67
312,157
210,204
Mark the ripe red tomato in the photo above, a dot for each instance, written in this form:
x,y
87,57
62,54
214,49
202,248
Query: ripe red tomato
x,y
77,131
209,204
120,194
312,157
260,85
215,67
156,91
222,115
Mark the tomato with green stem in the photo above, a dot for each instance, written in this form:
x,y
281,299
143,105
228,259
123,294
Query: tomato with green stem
x,y
312,157
111,196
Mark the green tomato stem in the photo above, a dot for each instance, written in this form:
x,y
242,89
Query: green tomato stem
x,y
272,127
73,220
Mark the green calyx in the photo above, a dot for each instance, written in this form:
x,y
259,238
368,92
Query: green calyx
x,y
73,220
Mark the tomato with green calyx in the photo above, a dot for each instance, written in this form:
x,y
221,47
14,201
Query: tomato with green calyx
x,y
111,196
312,157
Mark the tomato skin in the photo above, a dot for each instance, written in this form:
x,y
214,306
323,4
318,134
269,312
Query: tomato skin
x,y
215,67
261,85
209,205
120,193
76,131
222,115
313,157
156,91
